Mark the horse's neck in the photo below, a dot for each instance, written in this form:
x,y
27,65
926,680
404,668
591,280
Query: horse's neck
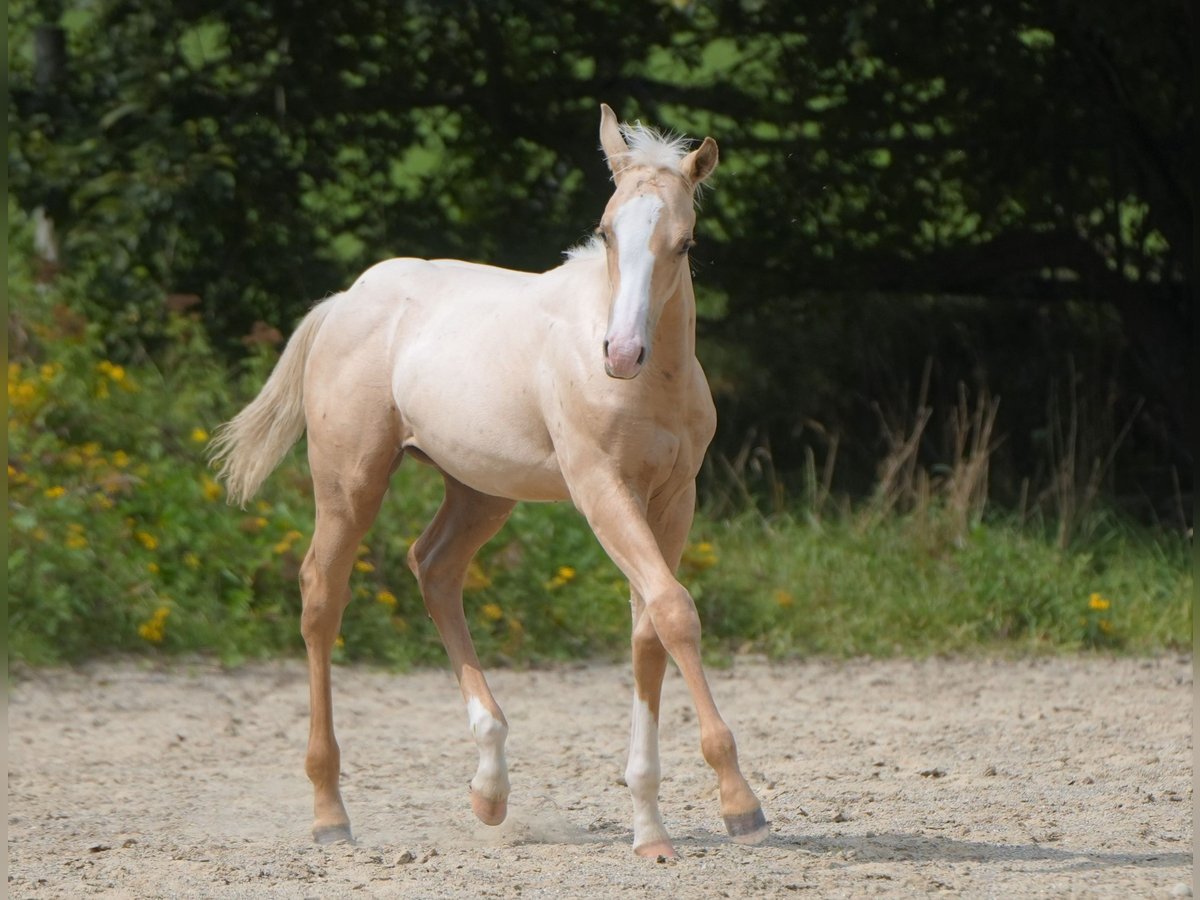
x,y
675,335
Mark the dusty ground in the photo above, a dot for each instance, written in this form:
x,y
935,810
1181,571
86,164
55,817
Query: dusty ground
x,y
1063,777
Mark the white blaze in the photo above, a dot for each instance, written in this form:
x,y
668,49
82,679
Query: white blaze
x,y
628,322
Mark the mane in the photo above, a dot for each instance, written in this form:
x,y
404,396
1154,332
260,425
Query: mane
x,y
653,148
589,249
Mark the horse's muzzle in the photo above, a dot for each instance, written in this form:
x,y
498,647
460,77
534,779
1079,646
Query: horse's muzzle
x,y
623,359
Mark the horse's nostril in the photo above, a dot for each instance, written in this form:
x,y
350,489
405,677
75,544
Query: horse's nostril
x,y
606,348
642,356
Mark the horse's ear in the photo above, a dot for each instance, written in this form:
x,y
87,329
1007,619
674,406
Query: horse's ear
x,y
700,163
611,140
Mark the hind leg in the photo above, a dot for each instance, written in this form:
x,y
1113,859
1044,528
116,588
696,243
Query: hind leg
x,y
350,478
466,520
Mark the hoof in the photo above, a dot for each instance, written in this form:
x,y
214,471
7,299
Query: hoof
x,y
487,810
748,828
656,849
333,834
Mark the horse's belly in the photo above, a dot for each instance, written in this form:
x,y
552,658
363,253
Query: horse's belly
x,y
490,474
494,441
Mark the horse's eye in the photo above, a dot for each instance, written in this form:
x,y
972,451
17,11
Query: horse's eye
x,y
603,235
687,245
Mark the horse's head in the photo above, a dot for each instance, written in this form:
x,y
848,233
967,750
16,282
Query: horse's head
x,y
647,232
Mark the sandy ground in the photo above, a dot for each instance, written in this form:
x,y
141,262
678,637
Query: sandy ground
x,y
1052,777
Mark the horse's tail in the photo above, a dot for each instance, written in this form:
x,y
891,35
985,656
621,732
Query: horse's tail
x,y
246,449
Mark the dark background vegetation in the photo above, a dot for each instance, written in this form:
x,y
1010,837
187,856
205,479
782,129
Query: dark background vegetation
x,y
923,207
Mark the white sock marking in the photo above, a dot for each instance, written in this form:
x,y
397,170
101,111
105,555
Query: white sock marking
x,y
642,774
491,778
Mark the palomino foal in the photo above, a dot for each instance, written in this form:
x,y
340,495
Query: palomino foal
x,y
580,383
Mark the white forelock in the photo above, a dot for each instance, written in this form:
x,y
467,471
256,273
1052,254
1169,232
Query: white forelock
x,y
653,148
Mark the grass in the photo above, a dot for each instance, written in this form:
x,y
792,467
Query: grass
x,y
900,586
120,542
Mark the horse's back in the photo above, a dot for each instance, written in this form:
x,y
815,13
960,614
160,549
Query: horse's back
x,y
459,351
445,277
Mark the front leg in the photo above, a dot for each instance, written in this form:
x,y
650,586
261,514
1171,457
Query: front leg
x,y
621,526
642,771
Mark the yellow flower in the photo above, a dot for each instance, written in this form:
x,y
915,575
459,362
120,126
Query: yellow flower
x,y
561,577
199,435
103,501
120,459
1105,626
783,598
700,556
154,628
55,492
146,539
290,538
111,371
363,566
339,641
212,490
492,612
1096,601
76,541
48,371
191,560
90,449
387,598
476,579
20,392
152,568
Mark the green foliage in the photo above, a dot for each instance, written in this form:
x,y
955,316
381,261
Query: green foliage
x,y
877,187
880,204
900,586
120,542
